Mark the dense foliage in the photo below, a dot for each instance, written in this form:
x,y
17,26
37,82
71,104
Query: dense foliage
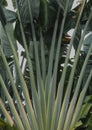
x,y
49,90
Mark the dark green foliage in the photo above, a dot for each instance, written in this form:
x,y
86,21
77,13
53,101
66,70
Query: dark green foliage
x,y
44,15
6,126
86,115
3,2
2,16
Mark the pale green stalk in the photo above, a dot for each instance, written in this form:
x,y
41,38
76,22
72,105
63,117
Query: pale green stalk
x,y
68,91
75,96
12,106
23,84
37,107
80,101
52,90
43,60
51,58
43,104
8,117
16,95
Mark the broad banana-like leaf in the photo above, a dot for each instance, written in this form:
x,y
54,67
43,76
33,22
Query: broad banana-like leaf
x,y
23,8
87,42
4,41
62,3
6,16
86,45
10,15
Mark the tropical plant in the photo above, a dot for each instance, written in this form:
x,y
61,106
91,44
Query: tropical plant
x,y
48,99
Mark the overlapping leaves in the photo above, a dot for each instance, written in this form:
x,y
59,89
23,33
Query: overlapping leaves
x,y
50,106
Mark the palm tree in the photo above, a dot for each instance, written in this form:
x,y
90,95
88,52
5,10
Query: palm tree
x,y
39,100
